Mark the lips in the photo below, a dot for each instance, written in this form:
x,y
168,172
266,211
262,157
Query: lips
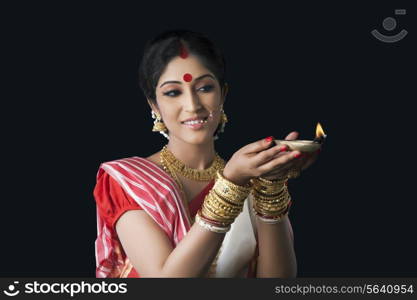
x,y
195,120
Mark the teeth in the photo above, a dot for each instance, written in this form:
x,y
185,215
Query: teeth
x,y
195,122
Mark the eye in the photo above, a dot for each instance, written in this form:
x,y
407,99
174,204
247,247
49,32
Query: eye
x,y
207,88
172,93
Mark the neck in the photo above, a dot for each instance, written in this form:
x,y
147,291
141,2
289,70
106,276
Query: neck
x,y
196,156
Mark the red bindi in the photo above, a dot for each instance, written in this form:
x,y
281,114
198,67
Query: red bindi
x,y
187,77
183,52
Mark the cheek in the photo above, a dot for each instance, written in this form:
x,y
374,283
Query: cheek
x,y
169,113
211,101
171,118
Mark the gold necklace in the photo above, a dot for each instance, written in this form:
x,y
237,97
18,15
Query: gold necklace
x,y
190,173
172,165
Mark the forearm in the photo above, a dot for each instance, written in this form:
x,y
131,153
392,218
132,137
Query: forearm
x,y
276,250
194,254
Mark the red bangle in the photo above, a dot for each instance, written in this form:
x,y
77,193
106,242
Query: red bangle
x,y
208,220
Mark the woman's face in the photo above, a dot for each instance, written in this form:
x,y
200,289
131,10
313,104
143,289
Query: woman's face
x,y
187,90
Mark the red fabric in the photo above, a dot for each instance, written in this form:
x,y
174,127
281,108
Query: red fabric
x,y
197,202
112,202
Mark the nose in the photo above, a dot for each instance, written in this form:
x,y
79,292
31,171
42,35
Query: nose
x,y
192,102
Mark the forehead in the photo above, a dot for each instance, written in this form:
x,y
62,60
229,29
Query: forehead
x,y
178,66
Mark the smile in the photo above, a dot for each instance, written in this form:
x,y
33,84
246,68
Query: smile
x,y
195,124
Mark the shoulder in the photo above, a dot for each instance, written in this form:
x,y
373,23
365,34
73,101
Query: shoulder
x,y
151,160
134,169
155,158
126,165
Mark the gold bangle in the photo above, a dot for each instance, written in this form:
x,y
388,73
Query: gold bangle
x,y
268,191
272,182
268,199
268,185
258,195
247,187
220,205
273,207
206,212
218,212
231,196
224,186
270,216
213,212
226,201
270,210
273,216
271,201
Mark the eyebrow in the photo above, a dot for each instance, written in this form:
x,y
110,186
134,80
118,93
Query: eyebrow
x,y
198,78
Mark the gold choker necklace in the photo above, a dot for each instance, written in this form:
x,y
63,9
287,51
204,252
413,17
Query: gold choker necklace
x,y
169,161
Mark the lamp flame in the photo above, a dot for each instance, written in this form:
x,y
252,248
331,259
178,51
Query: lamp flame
x,y
319,131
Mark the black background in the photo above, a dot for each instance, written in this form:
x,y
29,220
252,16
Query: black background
x,y
71,101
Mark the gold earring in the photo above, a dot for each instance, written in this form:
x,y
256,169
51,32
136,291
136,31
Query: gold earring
x,y
223,121
158,124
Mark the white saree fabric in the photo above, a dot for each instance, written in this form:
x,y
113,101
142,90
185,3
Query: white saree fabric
x,y
239,244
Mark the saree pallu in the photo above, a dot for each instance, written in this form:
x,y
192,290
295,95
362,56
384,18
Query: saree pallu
x,y
158,195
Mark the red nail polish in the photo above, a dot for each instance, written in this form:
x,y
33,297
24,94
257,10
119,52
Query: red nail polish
x,y
298,155
269,139
283,148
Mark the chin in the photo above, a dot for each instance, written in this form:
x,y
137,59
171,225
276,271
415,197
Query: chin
x,y
197,138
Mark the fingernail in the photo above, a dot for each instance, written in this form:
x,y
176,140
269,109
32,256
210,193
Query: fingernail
x,y
269,139
283,148
297,155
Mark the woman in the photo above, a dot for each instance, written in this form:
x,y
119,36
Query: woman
x,y
184,211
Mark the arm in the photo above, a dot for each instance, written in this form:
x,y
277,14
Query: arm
x,y
276,250
152,254
275,241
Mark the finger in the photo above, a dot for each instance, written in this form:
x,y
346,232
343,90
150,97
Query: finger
x,y
276,173
259,145
266,155
293,164
292,136
284,162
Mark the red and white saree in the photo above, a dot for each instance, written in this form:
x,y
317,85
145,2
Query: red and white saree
x,y
141,184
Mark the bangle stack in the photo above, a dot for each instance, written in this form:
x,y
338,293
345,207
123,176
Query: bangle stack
x,y
271,199
222,205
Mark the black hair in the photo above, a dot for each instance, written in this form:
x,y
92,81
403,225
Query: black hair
x,y
160,50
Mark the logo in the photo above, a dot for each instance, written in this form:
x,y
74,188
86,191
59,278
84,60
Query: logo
x,y
11,290
390,24
69,288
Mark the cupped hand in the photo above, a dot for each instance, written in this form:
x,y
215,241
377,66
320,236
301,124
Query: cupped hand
x,y
302,161
260,159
